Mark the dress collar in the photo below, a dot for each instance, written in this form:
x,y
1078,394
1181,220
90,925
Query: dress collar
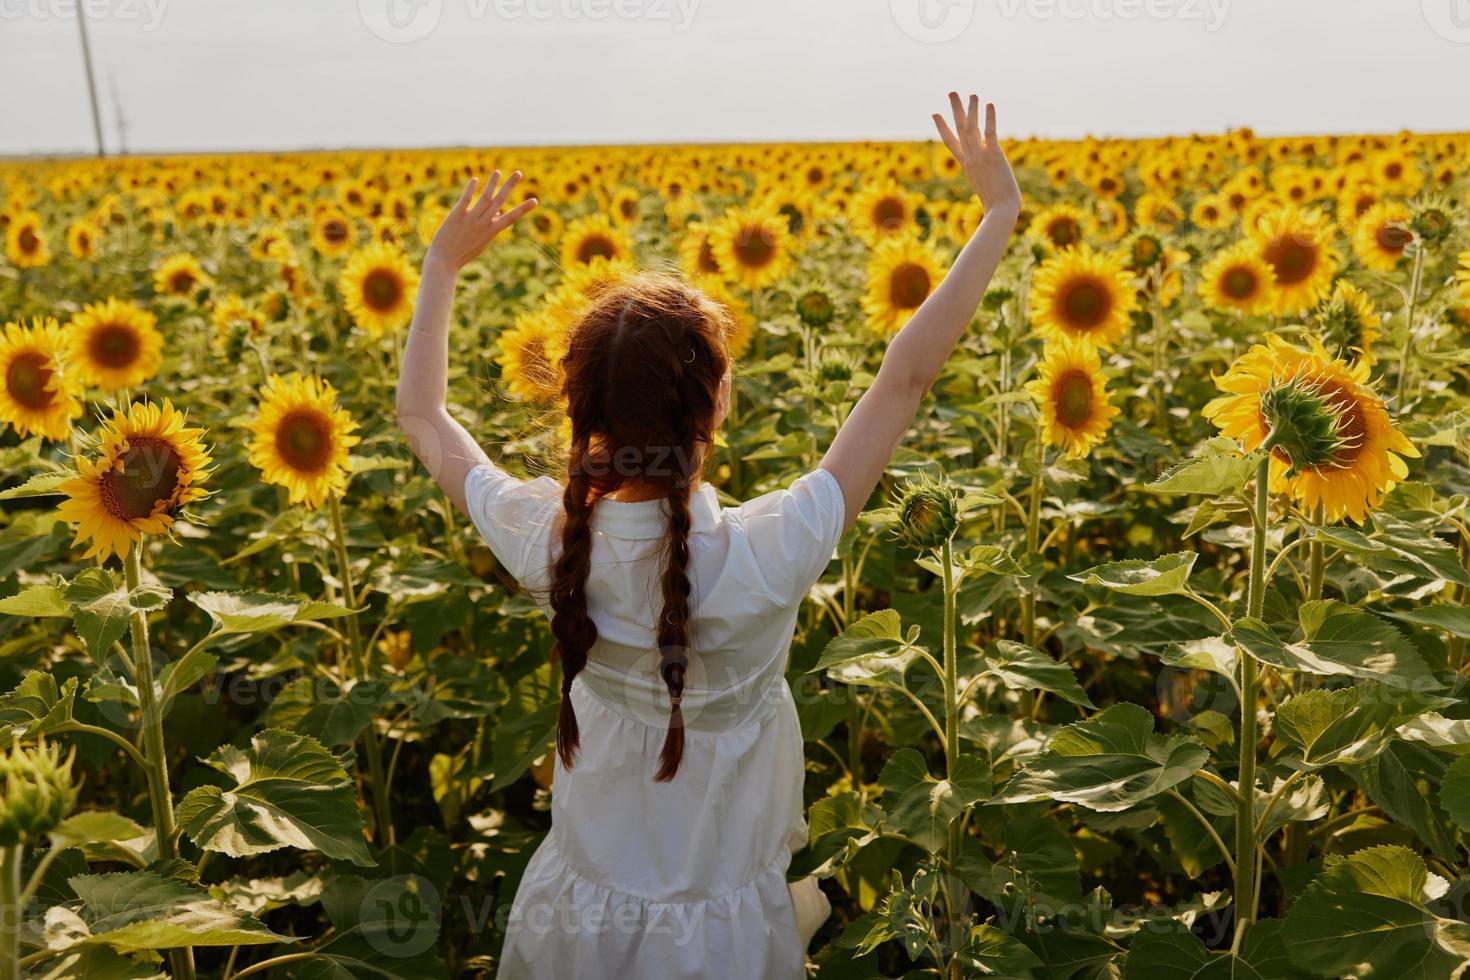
x,y
650,518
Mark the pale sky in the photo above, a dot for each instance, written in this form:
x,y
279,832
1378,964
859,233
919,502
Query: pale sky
x,y
286,74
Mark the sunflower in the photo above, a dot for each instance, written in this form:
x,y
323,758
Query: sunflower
x,y
1396,173
901,275
530,356
1382,236
377,286
593,237
332,231
740,329
752,246
81,239
1331,437
38,396
545,224
883,209
625,207
179,275
1348,323
1060,226
697,255
1072,397
1212,212
301,438
114,345
149,465
1296,243
235,322
25,242
1238,280
1082,295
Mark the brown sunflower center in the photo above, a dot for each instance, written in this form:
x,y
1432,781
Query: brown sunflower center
x,y
707,261
29,241
304,440
889,213
1072,398
628,207
908,286
334,231
1085,303
114,345
754,248
596,247
1394,170
1240,282
28,381
1293,257
382,290
1063,231
146,475
181,282
1393,238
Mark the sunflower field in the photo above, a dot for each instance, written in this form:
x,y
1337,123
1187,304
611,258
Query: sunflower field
x,y
1149,661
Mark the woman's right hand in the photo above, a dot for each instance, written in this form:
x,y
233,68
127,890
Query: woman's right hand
x,y
468,230
981,158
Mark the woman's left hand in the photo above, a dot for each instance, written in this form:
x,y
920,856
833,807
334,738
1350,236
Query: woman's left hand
x,y
468,229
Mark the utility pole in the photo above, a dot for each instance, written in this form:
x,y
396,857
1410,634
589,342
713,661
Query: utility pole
x,y
91,81
119,119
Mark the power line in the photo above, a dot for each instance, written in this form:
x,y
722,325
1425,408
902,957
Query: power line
x,y
91,81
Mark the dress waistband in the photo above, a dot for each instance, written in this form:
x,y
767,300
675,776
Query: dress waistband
x,y
641,696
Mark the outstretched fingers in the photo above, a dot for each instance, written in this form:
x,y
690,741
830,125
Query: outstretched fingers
x,y
514,214
492,207
467,196
957,109
950,139
990,136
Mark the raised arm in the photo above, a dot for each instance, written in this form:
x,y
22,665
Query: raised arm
x,y
445,448
864,445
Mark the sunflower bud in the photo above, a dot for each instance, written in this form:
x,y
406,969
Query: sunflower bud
x,y
1305,423
928,514
835,367
815,308
38,793
1347,322
1433,220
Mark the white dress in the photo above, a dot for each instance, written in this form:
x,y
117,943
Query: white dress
x,y
650,880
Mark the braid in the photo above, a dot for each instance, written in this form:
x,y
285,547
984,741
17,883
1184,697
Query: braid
x,y
667,343
573,629
673,624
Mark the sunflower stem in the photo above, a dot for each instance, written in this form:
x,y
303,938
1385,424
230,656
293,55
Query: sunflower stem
x,y
951,744
1033,540
11,912
155,753
1406,355
1245,819
373,750
855,708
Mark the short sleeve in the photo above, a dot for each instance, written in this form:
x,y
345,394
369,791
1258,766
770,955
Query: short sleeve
x,y
513,516
792,533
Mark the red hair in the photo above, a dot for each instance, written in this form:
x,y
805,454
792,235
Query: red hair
x,y
643,372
